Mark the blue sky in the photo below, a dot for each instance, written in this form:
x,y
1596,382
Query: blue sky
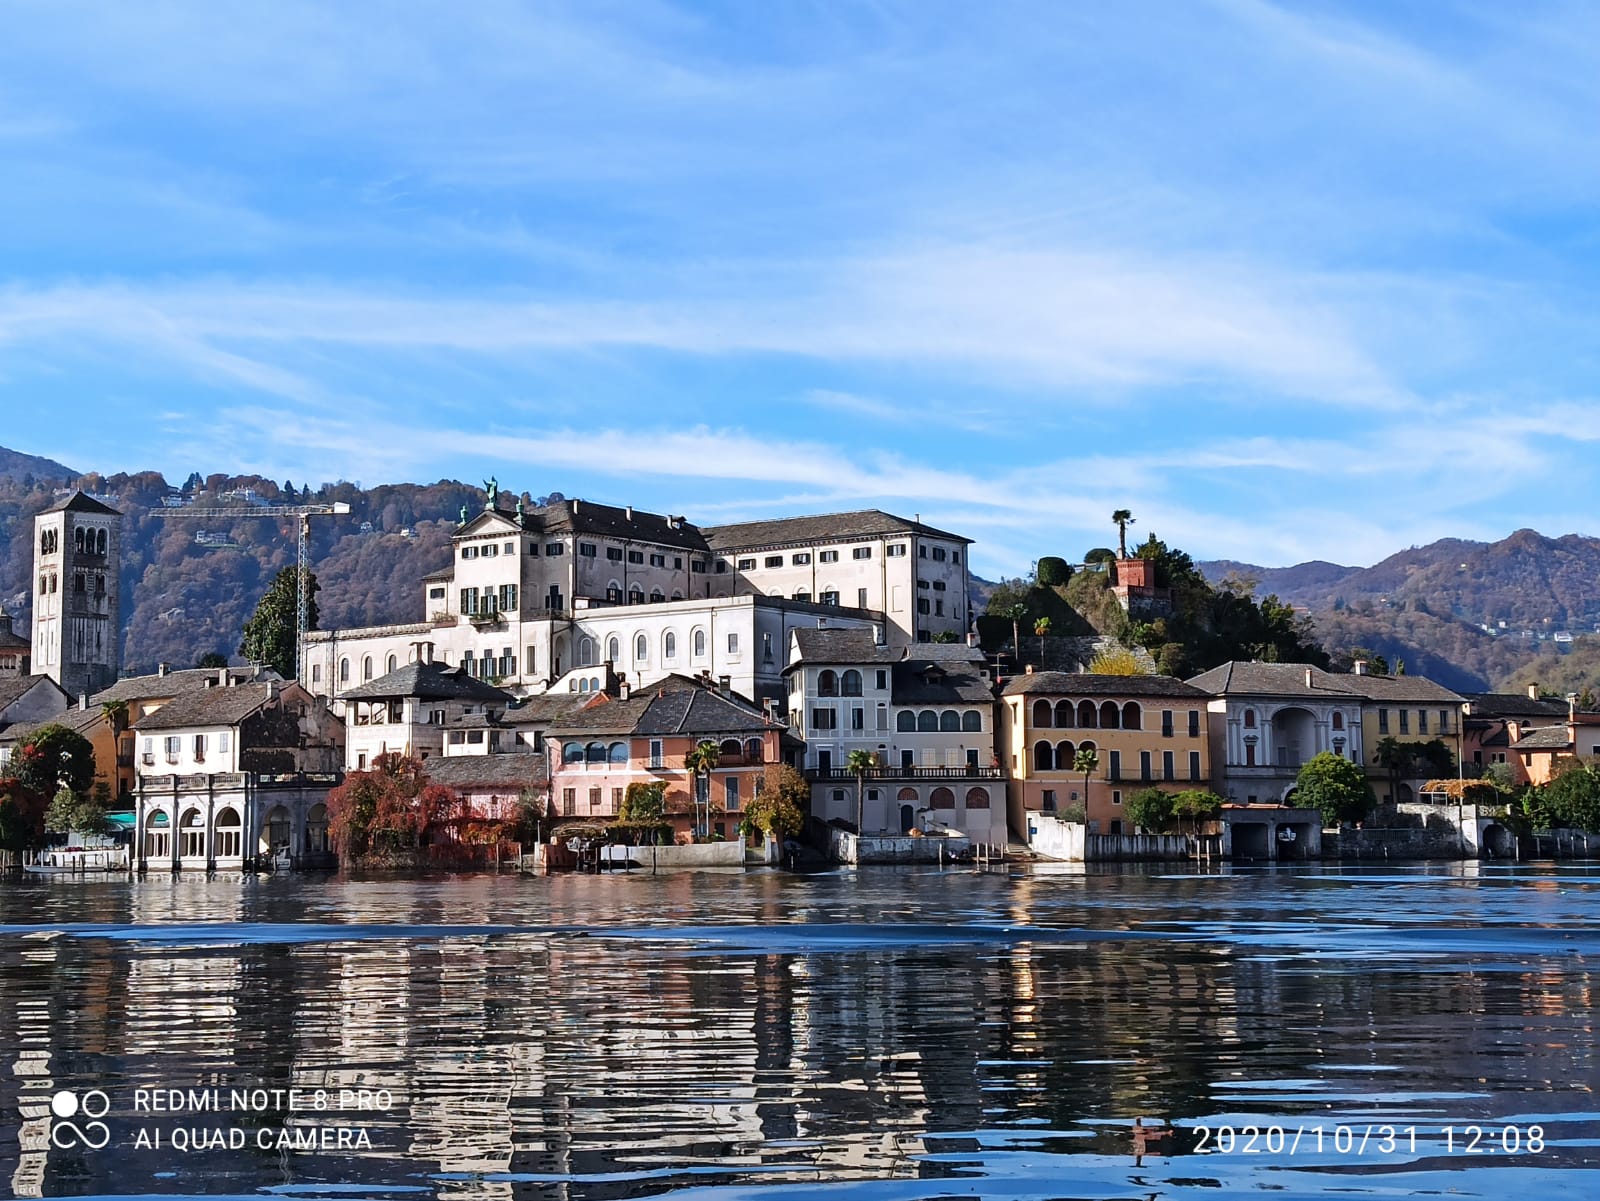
x,y
1295,281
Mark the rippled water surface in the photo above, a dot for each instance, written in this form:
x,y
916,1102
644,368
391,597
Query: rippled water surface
x,y
883,1036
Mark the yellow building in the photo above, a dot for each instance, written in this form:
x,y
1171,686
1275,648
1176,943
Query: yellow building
x,y
1144,731
1412,710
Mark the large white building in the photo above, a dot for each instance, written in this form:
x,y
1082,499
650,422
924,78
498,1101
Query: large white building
x,y
547,598
926,714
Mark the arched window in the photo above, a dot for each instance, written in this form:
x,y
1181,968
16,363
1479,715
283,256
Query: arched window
x,y
669,645
1132,717
1043,757
1249,719
635,595
390,664
927,722
100,543
752,750
950,721
850,683
366,667
802,594
977,798
972,721
613,651
572,685
1110,715
595,752
699,644
942,798
1338,720
1086,715
617,752
656,596
1042,715
586,652
1088,745
729,747
905,722
827,683
641,649
344,671
1064,753
572,752
77,538
677,594
908,794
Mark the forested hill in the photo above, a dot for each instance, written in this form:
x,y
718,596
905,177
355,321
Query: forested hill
x,y
183,598
1427,605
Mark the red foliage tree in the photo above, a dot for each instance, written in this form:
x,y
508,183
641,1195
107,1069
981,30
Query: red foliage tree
x,y
390,807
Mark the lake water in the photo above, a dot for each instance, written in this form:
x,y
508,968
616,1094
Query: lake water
x,y
891,1035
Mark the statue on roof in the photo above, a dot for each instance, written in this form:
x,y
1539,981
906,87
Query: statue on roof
x,y
463,520
491,486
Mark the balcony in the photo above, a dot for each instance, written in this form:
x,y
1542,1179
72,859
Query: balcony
x,y
484,621
962,772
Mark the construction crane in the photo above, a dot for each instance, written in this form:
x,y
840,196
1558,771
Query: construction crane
x,y
302,599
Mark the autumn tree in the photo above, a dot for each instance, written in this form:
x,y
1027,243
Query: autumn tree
x,y
270,634
387,808
779,807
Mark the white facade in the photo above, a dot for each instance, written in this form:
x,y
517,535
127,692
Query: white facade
x,y
1265,740
742,638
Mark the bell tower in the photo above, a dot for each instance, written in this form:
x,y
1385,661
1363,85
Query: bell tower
x,y
77,594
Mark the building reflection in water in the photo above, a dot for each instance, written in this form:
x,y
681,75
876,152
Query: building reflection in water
x,y
566,1060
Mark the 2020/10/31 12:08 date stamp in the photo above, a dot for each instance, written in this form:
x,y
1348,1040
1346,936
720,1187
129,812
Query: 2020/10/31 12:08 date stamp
x,y
1368,1139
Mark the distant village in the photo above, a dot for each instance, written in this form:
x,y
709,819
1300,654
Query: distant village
x,y
574,651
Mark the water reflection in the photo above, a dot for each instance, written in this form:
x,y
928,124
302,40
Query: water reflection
x,y
956,1032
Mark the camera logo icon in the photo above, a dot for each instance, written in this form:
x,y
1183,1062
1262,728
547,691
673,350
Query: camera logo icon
x,y
67,1105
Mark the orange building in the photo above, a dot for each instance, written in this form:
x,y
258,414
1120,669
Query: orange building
x,y
1144,731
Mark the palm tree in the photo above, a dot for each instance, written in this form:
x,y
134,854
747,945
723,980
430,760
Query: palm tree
x,y
115,715
861,762
1016,613
1122,518
700,763
1086,761
1041,627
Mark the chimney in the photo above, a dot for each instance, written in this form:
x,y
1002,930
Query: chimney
x,y
1308,677
629,512
427,652
1030,669
224,677
624,690
877,635
161,669
822,623
1572,707
1359,667
1533,692
972,638
575,506
272,690
83,700
725,685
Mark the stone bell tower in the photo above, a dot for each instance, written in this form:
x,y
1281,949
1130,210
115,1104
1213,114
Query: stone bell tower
x,y
77,594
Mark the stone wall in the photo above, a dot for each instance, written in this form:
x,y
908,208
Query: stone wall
x,y
845,847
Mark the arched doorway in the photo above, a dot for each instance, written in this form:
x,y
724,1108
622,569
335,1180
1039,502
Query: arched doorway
x,y
158,835
276,830
192,835
908,818
317,830
1294,737
230,835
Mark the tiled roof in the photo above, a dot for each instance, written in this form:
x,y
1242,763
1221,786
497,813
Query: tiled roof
x,y
601,521
9,640
14,688
921,682
434,681
843,646
444,573
822,527
510,770
80,721
81,502
157,685
658,711
612,717
1513,704
545,708
1550,738
1273,679
215,706
1062,683
1402,688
